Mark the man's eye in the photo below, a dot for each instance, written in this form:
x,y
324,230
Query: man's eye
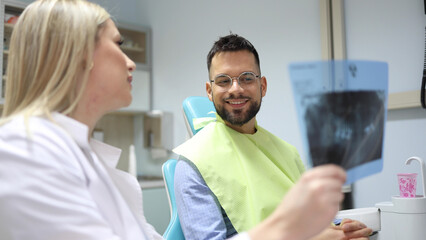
x,y
222,82
120,42
246,79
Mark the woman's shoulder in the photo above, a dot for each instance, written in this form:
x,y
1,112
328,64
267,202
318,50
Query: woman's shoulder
x,y
35,130
21,126
38,140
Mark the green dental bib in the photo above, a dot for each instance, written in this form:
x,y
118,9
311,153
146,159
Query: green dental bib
x,y
248,173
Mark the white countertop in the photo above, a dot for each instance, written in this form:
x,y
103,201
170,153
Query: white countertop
x,y
151,182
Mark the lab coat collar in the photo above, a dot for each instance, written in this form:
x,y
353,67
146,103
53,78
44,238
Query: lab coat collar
x,y
109,154
80,132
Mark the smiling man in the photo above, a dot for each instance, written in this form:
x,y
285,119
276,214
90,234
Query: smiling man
x,y
233,173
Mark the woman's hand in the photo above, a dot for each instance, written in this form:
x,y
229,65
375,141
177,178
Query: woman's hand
x,y
308,208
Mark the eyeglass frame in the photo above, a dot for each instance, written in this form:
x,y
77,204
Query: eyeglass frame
x,y
232,78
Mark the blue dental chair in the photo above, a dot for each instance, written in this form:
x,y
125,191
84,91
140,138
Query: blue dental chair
x,y
174,230
193,108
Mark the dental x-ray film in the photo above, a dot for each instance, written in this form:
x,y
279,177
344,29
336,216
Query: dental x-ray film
x,y
341,107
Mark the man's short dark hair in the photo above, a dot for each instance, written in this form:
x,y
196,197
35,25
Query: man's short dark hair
x,y
231,43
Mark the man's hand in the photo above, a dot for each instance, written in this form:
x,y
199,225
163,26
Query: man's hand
x,y
354,229
348,229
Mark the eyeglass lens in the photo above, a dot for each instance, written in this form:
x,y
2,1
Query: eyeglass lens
x,y
244,79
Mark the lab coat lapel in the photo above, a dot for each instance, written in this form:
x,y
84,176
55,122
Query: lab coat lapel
x,y
96,160
127,185
115,208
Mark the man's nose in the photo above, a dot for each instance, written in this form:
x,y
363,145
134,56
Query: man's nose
x,y
235,85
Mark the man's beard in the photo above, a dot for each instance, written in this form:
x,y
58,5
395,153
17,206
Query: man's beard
x,y
235,117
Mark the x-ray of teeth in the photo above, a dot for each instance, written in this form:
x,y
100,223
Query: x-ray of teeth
x,y
342,108
345,128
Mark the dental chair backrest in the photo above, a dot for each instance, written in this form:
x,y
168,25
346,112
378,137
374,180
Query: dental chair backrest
x,y
174,229
195,110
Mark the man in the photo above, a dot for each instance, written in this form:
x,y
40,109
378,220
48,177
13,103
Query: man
x,y
235,173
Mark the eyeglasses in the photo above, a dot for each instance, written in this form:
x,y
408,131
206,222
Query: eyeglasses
x,y
245,79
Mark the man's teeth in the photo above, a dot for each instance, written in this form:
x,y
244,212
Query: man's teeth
x,y
239,102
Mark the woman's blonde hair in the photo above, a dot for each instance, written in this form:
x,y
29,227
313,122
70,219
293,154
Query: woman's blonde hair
x,y
51,51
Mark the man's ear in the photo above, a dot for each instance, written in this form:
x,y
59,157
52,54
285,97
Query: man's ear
x,y
264,85
209,90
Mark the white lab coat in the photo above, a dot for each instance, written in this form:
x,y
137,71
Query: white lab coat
x,y
55,184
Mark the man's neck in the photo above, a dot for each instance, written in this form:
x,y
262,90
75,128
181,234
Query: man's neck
x,y
247,128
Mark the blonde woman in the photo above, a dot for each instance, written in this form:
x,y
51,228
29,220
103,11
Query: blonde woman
x,y
65,71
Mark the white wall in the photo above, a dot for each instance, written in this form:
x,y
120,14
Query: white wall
x,y
127,11
391,31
